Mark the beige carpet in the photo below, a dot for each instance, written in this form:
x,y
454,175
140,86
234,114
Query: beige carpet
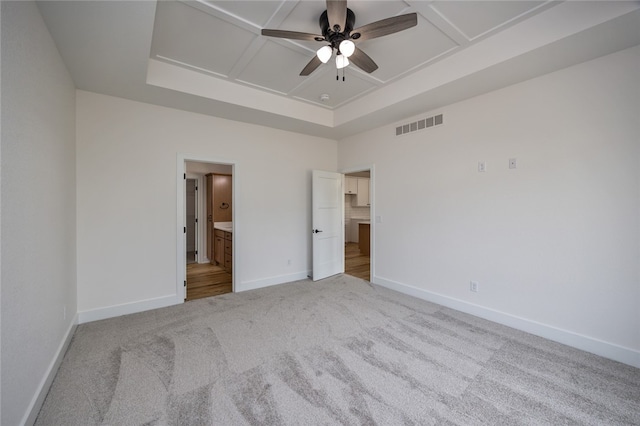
x,y
338,351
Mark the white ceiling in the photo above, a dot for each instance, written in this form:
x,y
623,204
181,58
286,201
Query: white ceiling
x,y
209,56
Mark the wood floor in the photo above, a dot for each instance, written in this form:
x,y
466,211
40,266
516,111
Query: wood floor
x,y
205,280
355,263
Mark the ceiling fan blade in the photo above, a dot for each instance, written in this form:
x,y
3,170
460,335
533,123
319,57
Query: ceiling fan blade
x,y
337,13
385,27
311,66
363,61
294,35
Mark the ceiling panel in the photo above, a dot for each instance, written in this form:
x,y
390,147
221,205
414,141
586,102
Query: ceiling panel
x,y
304,17
399,52
275,67
339,91
370,11
474,18
256,12
186,34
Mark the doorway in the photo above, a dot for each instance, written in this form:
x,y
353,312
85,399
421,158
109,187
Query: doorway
x,y
358,208
205,270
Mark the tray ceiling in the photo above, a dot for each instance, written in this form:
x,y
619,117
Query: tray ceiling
x,y
223,38
209,56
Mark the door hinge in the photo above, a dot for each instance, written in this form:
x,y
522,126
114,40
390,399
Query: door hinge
x,y
185,176
196,252
185,230
196,220
185,283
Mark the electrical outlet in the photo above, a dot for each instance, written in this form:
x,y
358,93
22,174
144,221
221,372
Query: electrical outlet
x,y
289,262
482,166
474,286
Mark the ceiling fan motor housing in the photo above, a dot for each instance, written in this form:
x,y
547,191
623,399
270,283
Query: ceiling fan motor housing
x,y
332,36
337,11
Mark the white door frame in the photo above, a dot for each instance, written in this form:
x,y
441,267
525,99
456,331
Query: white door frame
x,y
372,212
181,264
191,176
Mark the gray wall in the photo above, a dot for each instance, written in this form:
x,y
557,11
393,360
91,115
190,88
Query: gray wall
x,y
38,207
553,243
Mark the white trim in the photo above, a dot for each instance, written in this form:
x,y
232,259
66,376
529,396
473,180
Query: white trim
x,y
128,308
267,282
198,242
43,388
202,217
608,350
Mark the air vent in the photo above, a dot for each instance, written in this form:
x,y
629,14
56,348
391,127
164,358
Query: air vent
x,y
425,123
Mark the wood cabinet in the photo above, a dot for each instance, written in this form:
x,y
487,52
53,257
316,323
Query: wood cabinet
x,y
219,247
362,196
364,232
224,249
222,208
350,185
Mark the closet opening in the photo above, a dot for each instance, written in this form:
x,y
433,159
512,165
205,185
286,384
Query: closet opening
x,y
357,222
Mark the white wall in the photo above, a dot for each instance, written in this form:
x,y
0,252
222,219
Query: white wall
x,y
554,244
126,171
38,210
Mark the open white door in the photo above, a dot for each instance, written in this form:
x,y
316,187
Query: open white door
x,y
327,201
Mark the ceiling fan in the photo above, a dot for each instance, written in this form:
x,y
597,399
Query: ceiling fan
x,y
336,24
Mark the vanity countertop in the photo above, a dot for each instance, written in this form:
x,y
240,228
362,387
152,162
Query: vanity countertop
x,y
223,226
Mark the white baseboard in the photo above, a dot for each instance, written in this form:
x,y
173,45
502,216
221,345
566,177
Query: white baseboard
x,y
127,308
266,282
43,388
608,350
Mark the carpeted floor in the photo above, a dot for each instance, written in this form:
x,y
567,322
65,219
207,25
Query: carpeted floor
x,y
338,351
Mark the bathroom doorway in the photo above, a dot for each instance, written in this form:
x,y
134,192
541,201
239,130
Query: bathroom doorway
x,y
207,244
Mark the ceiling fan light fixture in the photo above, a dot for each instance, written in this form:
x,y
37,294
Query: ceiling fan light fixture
x,y
324,54
347,47
341,61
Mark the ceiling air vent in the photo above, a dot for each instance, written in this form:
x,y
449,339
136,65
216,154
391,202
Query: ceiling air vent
x,y
422,124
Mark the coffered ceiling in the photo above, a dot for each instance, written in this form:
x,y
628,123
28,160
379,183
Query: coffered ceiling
x,y
223,39
209,57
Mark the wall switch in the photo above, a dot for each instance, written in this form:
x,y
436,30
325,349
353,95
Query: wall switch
x,y
473,286
482,166
513,163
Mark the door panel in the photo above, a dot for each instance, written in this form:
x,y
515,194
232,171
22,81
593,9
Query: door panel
x,y
327,224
